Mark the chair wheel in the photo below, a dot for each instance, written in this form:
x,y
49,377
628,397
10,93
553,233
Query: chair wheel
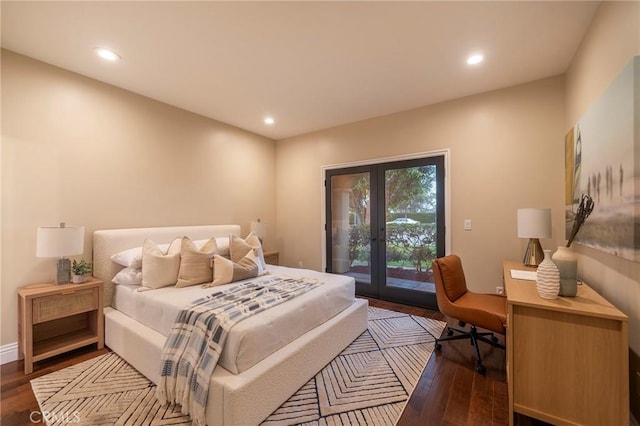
x,y
481,369
449,332
438,347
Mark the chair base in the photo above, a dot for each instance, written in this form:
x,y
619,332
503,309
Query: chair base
x,y
475,337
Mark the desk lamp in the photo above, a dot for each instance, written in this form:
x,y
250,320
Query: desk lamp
x,y
534,224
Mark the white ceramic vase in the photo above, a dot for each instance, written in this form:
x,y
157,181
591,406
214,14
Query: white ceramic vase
x,y
567,263
548,278
78,279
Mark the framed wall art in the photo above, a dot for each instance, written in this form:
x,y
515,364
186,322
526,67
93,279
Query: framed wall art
x,y
602,160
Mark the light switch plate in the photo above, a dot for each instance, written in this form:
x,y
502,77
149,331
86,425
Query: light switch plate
x,y
467,225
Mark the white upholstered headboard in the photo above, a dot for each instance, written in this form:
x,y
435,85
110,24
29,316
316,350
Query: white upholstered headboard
x,y
111,241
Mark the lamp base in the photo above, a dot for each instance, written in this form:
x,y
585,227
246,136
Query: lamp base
x,y
534,254
64,271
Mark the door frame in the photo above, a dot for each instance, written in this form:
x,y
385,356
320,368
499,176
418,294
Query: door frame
x,y
447,213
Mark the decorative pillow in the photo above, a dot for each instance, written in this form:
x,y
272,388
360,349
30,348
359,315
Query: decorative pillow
x,y
238,248
195,264
226,271
128,275
221,242
223,246
159,268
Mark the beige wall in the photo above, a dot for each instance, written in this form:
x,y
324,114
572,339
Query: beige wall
x,y
506,152
84,152
612,41
77,150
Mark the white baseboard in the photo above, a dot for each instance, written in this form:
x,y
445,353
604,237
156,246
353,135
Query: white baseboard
x,y
9,353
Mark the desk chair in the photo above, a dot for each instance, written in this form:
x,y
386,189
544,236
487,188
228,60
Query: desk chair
x,y
488,311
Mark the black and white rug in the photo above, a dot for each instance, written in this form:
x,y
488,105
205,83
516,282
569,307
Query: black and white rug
x,y
367,384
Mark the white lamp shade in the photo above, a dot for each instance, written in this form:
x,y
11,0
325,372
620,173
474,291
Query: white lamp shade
x,y
53,241
534,223
259,229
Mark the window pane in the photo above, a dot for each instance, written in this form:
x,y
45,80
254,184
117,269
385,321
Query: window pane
x,y
351,225
410,216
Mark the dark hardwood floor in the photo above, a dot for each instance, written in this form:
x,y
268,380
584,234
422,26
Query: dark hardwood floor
x,y
450,392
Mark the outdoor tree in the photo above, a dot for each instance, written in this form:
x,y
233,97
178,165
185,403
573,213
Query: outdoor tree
x,y
407,190
360,193
410,189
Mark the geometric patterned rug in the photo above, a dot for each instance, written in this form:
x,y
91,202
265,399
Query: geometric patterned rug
x,y
104,390
368,383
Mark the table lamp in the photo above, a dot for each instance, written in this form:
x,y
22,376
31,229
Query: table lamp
x,y
534,224
59,242
259,229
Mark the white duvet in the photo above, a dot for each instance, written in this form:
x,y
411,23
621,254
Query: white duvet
x,y
257,337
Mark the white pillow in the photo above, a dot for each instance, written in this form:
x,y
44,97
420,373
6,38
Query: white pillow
x,y
128,275
132,257
160,268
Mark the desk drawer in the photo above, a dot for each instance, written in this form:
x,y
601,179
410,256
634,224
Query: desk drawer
x,y
64,304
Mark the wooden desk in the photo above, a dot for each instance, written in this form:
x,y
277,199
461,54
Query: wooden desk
x,y
567,358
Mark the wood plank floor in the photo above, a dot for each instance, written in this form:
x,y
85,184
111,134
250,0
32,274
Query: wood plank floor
x,y
449,392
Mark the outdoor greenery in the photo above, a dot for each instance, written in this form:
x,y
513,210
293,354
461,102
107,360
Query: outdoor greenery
x,y
415,242
408,244
409,193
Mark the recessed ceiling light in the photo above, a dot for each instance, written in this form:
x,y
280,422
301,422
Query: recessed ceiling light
x,y
269,121
475,59
107,54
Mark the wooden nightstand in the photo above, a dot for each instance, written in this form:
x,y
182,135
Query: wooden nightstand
x,y
271,257
53,319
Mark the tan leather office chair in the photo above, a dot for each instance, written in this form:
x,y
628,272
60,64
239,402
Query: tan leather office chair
x,y
488,311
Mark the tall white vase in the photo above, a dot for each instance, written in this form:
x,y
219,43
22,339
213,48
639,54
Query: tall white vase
x,y
567,263
548,278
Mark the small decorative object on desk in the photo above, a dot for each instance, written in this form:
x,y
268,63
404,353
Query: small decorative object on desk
x,y
564,258
567,263
80,270
548,278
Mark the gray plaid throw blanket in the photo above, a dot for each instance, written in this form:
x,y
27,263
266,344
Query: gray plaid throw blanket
x,y
195,342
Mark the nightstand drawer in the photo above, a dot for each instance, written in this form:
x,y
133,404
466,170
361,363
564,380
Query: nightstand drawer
x,y
65,304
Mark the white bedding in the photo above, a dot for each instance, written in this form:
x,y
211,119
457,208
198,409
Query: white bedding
x,y
257,337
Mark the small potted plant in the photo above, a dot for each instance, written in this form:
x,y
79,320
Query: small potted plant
x,y
79,270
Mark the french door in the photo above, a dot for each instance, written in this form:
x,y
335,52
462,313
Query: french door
x,y
384,227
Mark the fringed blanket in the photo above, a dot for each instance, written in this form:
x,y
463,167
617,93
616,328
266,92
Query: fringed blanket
x,y
195,342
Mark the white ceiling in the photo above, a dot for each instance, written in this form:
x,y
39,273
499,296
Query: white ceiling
x,y
311,65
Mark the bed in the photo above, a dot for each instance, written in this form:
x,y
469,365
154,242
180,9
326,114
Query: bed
x,y
267,358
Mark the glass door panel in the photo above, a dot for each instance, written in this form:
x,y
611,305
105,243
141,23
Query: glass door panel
x,y
350,232
385,225
410,218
